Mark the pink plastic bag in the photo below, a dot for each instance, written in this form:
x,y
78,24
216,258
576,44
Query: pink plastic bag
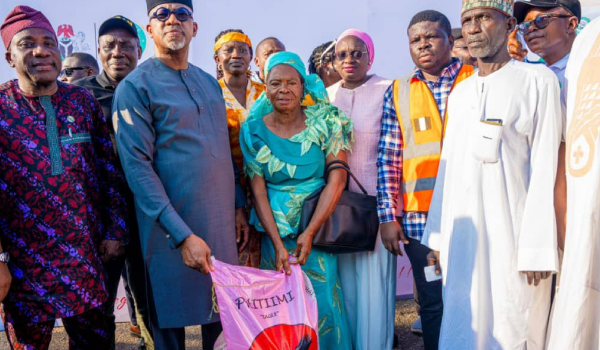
x,y
264,309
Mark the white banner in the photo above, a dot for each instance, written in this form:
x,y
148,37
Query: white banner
x,y
301,26
589,14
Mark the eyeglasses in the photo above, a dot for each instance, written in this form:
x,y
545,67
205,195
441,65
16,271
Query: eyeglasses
x,y
356,54
162,14
540,22
69,71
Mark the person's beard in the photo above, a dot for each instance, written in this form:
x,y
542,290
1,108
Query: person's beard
x,y
176,45
490,49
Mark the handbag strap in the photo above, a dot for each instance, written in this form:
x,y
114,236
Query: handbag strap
x,y
337,161
343,165
331,168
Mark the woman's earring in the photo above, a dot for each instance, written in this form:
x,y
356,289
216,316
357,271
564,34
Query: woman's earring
x,y
328,72
268,102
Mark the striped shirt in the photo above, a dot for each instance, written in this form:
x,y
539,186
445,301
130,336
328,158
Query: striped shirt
x,y
389,153
443,86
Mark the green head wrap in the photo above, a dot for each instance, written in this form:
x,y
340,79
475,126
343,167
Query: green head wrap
x,y
314,89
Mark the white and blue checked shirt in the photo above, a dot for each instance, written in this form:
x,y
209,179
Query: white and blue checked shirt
x,y
389,153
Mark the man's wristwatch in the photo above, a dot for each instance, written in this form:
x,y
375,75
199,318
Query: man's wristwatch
x,y
4,257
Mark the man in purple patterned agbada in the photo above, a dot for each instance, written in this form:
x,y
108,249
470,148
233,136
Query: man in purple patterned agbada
x,y
61,206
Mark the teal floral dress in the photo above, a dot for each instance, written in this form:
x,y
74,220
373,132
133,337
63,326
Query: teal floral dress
x,y
293,168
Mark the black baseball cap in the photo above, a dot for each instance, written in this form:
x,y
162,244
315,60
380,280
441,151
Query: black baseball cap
x,y
522,7
118,22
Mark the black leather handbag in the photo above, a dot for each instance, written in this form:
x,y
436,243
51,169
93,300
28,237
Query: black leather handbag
x,y
353,225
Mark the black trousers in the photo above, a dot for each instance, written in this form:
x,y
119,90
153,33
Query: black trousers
x,y
136,278
113,270
174,338
86,331
430,294
133,265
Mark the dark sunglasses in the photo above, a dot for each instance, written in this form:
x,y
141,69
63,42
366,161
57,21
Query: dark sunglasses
x,y
356,54
69,71
162,14
540,22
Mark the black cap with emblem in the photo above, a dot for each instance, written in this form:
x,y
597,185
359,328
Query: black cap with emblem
x,y
153,3
522,7
118,22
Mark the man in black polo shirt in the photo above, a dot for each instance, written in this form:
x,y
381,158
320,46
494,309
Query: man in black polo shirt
x,y
119,51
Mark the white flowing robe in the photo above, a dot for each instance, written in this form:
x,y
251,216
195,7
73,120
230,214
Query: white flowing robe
x,y
576,315
491,220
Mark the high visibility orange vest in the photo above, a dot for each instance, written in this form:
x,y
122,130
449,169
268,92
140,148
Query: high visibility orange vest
x,y
422,135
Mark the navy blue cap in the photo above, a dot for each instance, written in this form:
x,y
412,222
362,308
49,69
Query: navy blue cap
x,y
522,7
118,22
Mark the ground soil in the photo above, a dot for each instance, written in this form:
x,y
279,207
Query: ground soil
x,y
405,316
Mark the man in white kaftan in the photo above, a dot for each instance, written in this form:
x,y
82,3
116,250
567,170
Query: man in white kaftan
x,y
492,214
576,316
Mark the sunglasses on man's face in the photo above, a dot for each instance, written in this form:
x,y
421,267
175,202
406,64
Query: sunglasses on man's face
x,y
69,71
540,22
356,54
162,14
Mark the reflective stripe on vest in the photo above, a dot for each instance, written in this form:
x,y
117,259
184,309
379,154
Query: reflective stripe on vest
x,y
422,135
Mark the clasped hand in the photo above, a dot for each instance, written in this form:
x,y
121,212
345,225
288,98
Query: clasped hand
x,y
535,277
391,234
196,254
111,250
303,249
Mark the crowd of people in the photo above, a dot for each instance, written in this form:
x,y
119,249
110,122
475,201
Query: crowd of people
x,y
144,172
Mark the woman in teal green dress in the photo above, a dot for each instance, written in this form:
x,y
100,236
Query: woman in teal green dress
x,y
292,131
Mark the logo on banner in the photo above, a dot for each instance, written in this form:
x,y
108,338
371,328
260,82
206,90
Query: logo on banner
x,y
69,42
584,131
142,36
584,22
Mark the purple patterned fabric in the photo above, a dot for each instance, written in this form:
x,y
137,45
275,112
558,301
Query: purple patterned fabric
x,y
60,196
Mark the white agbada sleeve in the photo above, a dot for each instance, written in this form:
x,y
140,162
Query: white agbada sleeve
x,y
537,240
